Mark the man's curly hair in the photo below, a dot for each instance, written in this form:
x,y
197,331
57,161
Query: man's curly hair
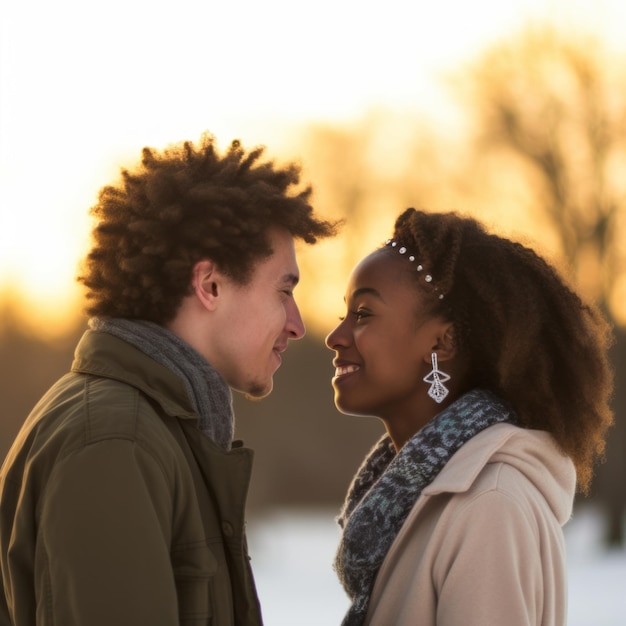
x,y
526,333
182,205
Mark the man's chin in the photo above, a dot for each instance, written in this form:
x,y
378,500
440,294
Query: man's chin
x,y
258,391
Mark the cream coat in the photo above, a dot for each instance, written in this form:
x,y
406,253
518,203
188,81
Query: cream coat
x,y
483,545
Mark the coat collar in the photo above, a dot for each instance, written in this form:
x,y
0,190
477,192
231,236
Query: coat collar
x,y
102,354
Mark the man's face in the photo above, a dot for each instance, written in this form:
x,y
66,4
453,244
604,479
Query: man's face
x,y
258,319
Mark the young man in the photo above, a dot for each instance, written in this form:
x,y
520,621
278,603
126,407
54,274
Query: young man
x,y
123,496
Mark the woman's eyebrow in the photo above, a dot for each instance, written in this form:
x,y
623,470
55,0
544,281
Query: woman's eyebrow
x,y
368,290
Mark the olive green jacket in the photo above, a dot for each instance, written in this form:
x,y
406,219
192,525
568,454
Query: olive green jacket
x,y
116,510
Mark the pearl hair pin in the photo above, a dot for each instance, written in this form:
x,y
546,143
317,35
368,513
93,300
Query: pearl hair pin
x,y
420,268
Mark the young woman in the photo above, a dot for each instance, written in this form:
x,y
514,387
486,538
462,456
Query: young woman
x,y
491,378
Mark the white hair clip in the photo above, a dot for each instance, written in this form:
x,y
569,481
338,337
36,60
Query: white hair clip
x,y
419,267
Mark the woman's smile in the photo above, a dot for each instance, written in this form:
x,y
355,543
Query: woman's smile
x,y
343,369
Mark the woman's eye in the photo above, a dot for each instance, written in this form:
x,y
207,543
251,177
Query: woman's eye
x,y
360,314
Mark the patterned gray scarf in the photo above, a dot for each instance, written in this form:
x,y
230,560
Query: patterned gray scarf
x,y
387,486
210,395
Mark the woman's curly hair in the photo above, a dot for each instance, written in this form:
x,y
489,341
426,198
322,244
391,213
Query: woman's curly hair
x,y
180,206
526,334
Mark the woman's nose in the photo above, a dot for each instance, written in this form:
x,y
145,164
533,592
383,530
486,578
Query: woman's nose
x,y
336,337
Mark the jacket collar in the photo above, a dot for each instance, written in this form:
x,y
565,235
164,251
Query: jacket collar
x,y
101,354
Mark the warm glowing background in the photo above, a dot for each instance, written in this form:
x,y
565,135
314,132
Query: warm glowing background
x,y
84,87
446,104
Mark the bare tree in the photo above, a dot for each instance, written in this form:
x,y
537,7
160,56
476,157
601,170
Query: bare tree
x,y
552,108
366,173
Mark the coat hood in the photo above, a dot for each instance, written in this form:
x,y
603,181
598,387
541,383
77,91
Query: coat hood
x,y
532,452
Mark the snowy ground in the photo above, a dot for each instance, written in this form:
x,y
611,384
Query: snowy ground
x,y
292,552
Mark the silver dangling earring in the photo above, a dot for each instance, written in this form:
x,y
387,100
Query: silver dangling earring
x,y
436,378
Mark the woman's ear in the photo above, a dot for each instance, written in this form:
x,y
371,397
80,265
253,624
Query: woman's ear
x,y
446,343
206,283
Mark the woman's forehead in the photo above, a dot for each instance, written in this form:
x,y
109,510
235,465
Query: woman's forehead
x,y
379,265
381,272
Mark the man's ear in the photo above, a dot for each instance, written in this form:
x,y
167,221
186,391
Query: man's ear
x,y
206,283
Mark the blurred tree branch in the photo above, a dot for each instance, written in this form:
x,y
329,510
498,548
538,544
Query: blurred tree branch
x,y
555,104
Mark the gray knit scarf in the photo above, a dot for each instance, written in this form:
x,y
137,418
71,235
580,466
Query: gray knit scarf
x,y
387,486
211,397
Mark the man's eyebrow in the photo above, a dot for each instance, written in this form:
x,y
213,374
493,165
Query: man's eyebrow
x,y
290,279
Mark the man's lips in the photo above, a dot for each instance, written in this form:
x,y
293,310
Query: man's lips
x,y
278,350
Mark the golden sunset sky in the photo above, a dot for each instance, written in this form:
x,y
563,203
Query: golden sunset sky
x,y
84,86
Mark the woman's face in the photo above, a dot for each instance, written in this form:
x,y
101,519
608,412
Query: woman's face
x,y
384,343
